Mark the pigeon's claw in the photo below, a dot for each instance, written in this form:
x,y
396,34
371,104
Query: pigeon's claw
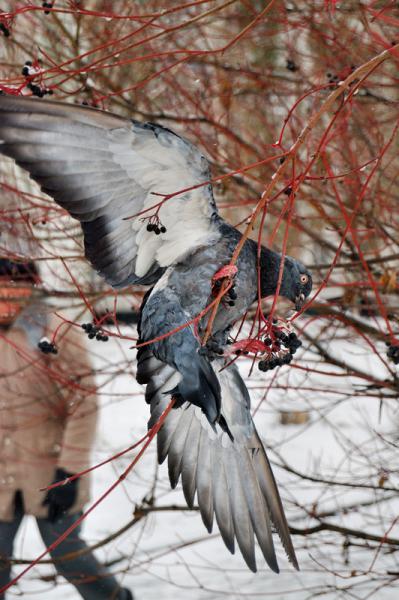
x,y
225,277
212,350
226,272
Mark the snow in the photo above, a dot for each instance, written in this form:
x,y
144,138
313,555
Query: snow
x,y
156,558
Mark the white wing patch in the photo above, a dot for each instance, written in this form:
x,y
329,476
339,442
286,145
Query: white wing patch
x,y
159,165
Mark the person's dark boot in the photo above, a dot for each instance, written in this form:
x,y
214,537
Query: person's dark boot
x,y
126,594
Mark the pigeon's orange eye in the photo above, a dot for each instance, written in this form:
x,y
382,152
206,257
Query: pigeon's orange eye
x,y
304,278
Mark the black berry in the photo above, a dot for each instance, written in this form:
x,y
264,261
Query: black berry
x,y
47,5
47,347
393,353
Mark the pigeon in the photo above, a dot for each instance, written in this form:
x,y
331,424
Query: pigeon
x,y
144,199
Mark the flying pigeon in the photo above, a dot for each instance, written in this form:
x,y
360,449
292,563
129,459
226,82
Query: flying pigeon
x,y
144,200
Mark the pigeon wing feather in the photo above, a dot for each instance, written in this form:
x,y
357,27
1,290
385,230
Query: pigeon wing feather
x,y
111,173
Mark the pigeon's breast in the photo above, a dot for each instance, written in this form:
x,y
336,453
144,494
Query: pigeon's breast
x,y
192,281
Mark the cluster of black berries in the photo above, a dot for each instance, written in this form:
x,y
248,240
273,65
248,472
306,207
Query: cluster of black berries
x,y
157,228
393,353
333,80
39,91
47,347
29,70
272,362
94,332
282,350
290,340
4,29
47,5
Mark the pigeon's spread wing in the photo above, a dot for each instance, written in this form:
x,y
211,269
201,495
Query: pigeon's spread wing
x,y
232,478
103,169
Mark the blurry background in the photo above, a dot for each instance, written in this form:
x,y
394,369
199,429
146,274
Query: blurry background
x,y
240,79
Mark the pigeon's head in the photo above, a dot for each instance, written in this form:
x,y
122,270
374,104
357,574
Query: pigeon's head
x,y
296,283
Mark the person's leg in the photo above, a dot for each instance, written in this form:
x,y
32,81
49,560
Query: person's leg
x,y
8,531
83,571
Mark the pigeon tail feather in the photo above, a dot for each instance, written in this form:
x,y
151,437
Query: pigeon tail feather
x,y
231,476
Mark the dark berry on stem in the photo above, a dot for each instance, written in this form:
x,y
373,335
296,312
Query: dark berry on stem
x,y
393,353
47,347
47,5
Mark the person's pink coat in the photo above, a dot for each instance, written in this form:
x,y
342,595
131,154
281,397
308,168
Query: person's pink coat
x,y
48,415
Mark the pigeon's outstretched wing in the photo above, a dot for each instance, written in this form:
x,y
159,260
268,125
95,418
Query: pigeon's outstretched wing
x,y
102,169
232,477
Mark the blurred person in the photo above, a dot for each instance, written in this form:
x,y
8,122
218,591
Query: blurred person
x,y
48,413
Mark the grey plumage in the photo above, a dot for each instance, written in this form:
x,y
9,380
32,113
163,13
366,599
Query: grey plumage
x,y
233,479
112,174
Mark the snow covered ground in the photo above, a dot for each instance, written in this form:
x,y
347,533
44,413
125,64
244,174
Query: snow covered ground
x,y
152,558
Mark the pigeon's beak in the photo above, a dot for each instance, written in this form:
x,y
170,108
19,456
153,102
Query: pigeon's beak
x,y
299,301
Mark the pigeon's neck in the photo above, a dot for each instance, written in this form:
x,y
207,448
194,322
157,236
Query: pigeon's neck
x,y
269,270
